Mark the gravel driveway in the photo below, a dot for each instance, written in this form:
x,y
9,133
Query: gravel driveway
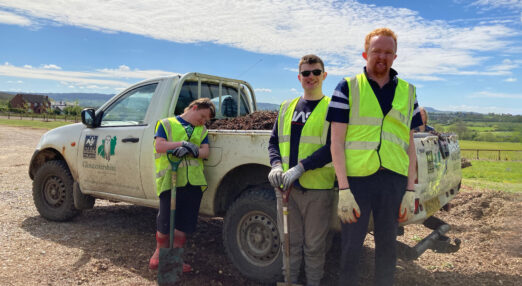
x,y
111,244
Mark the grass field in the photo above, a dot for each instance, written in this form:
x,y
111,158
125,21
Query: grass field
x,y
491,155
33,123
497,175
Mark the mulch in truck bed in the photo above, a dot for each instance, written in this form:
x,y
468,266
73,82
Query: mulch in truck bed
x,y
259,120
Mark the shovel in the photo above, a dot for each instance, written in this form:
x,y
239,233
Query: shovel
x,y
286,196
170,261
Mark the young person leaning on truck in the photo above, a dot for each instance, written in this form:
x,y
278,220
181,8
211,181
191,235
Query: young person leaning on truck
x,y
298,151
186,134
372,116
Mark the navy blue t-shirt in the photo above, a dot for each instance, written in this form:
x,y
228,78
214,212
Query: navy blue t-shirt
x,y
319,158
161,131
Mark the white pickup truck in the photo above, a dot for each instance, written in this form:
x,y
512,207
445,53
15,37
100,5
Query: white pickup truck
x,y
109,156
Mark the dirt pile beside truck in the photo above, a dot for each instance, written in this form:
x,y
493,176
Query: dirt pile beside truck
x,y
259,120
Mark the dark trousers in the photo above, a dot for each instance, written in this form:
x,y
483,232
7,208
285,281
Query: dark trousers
x,y
379,194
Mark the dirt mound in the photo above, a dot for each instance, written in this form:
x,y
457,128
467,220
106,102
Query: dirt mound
x,y
464,163
259,120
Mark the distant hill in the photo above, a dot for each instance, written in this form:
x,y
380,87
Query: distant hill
x,y
267,106
84,99
6,96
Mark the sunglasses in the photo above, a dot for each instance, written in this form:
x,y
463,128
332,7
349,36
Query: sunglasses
x,y
316,72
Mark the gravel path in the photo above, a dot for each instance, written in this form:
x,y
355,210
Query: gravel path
x,y
111,244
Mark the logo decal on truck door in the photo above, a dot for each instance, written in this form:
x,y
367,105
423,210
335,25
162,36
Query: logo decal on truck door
x,y
107,147
89,148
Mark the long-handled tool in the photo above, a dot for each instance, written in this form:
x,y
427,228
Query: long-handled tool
x,y
170,261
286,196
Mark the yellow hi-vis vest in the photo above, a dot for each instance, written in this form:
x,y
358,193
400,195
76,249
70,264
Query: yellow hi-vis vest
x,y
372,139
313,137
190,169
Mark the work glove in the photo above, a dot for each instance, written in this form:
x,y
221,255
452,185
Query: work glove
x,y
347,208
191,147
180,152
275,177
291,175
407,206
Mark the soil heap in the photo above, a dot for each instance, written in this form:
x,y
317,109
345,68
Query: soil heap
x,y
259,120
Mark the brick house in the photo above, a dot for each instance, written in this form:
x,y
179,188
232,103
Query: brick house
x,y
37,103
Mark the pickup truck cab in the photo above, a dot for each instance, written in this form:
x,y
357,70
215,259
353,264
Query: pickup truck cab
x,y
110,156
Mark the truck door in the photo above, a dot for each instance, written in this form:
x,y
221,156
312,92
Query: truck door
x,y
109,156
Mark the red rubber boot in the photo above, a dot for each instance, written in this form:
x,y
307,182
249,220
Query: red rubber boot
x,y
162,241
179,240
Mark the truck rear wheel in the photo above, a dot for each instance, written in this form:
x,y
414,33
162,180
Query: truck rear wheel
x,y
53,191
251,237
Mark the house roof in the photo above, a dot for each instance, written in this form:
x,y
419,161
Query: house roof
x,y
36,98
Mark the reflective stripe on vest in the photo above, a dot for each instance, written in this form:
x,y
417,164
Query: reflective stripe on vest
x,y
313,136
190,169
372,139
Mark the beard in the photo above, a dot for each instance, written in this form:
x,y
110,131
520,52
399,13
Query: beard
x,y
380,69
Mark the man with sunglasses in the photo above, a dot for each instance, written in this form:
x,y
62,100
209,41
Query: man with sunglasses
x,y
299,151
372,116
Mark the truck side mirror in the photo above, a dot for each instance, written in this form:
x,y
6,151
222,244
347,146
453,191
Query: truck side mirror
x,y
89,117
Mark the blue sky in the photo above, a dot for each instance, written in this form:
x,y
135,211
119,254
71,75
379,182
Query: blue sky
x,y
463,55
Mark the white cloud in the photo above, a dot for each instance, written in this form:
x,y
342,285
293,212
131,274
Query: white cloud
x,y
262,90
488,94
428,50
13,19
99,79
51,67
490,4
510,79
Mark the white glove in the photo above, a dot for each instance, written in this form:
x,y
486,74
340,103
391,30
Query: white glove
x,y
275,177
291,175
407,206
347,208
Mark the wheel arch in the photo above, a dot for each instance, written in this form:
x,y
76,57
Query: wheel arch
x,y
236,181
41,156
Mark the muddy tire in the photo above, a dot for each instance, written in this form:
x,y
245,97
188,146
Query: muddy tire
x,y
250,235
53,191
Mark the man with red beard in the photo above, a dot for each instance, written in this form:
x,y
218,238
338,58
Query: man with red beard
x,y
372,116
299,151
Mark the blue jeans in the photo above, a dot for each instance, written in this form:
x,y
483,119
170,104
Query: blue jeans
x,y
379,194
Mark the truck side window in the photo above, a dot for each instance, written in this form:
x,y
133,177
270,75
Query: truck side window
x,y
131,108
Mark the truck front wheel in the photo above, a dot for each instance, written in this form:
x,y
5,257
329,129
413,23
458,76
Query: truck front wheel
x,y
53,191
251,237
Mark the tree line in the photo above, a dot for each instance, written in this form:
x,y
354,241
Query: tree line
x,y
479,127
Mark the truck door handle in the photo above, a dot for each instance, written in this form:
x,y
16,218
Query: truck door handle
x,y
130,139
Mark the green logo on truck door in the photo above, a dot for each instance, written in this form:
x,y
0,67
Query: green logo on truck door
x,y
107,147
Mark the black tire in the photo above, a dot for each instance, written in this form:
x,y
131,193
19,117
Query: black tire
x,y
251,237
53,191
